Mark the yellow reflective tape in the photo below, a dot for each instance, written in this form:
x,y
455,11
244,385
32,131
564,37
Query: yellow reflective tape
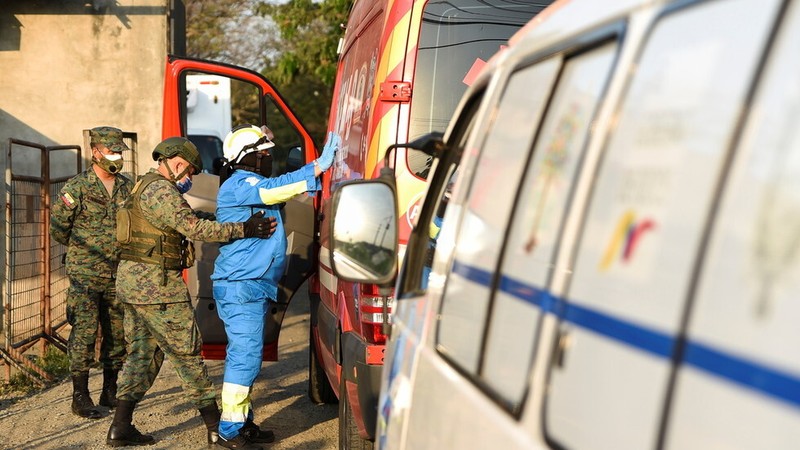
x,y
282,193
235,402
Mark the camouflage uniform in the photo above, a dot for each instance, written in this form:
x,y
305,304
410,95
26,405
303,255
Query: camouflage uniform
x,y
84,219
159,319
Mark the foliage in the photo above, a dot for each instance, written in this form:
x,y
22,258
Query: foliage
x,y
229,31
310,32
293,44
55,362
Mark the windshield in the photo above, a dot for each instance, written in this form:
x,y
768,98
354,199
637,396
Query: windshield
x,y
456,40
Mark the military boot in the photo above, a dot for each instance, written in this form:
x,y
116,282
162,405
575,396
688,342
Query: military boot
x,y
255,434
108,397
122,432
211,415
239,443
81,401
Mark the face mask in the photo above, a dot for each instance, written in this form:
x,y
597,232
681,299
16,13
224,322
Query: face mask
x,y
258,162
110,163
184,185
266,166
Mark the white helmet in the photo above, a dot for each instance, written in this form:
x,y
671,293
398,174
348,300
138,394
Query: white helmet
x,y
246,139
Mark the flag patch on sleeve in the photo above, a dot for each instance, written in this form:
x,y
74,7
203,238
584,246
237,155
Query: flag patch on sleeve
x,y
68,200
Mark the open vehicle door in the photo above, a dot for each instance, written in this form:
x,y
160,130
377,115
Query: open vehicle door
x,y
253,100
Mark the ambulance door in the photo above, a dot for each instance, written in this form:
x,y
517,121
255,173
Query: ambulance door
x,y
739,382
624,307
253,100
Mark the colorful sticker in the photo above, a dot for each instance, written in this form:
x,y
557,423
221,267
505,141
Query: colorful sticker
x,y
625,239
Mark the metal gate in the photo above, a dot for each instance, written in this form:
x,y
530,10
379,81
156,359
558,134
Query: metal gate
x,y
35,282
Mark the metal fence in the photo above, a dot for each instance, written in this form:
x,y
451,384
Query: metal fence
x,y
35,283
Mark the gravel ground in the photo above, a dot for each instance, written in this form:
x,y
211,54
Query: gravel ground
x,y
44,420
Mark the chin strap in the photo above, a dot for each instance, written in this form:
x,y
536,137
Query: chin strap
x,y
259,157
172,174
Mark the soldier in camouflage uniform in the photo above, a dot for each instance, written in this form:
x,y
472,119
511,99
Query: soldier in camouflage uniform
x,y
159,320
85,221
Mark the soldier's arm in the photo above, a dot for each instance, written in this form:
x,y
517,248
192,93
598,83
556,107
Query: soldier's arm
x,y
165,208
63,212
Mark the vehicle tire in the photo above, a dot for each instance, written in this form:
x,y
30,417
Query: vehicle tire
x,y
349,439
319,388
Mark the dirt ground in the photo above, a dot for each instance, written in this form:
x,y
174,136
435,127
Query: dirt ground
x,y
44,420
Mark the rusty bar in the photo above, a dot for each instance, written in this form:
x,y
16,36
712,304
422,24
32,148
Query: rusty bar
x,y
45,190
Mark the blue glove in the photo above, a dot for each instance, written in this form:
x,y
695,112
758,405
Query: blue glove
x,y
325,160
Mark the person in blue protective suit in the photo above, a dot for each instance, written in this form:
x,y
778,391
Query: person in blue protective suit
x,y
247,271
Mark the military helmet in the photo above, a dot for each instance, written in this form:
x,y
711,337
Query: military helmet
x,y
179,146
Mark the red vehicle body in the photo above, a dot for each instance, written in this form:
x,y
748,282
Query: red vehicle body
x,y
403,68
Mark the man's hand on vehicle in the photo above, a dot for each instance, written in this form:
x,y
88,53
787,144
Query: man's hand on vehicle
x,y
325,160
258,226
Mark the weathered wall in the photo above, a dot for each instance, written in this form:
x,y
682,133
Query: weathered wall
x,y
70,65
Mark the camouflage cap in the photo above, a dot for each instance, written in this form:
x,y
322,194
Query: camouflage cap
x,y
110,137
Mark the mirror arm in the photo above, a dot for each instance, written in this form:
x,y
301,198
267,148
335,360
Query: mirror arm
x,y
432,144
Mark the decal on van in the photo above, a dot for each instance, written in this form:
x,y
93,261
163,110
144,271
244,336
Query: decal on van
x,y
625,239
413,209
476,68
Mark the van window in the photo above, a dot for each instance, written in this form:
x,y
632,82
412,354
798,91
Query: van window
x,y
535,226
745,310
651,199
491,195
456,38
457,143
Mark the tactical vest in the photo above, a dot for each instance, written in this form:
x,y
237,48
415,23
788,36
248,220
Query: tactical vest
x,y
140,241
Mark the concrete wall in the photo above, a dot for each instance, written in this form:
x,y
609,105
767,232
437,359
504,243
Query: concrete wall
x,y
70,65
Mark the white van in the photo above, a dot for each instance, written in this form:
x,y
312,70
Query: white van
x,y
608,255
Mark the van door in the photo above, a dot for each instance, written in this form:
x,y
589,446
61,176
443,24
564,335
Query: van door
x,y
738,385
253,100
623,308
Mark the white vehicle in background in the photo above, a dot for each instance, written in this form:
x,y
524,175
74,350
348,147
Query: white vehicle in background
x,y
617,264
208,113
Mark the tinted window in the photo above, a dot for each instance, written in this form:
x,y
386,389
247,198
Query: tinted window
x,y
457,38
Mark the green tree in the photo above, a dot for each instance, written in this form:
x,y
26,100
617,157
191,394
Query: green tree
x,y
230,31
293,44
305,69
310,31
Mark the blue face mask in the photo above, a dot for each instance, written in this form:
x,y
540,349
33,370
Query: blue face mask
x,y
184,185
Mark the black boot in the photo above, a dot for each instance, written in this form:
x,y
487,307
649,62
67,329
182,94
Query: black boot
x,y
210,415
255,434
122,431
109,395
81,401
239,443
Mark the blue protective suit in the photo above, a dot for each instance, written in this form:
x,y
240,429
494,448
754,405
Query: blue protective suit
x,y
246,275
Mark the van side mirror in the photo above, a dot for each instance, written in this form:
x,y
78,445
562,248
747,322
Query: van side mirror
x,y
421,153
364,232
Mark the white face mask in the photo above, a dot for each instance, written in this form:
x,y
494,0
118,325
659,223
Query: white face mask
x,y
110,163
